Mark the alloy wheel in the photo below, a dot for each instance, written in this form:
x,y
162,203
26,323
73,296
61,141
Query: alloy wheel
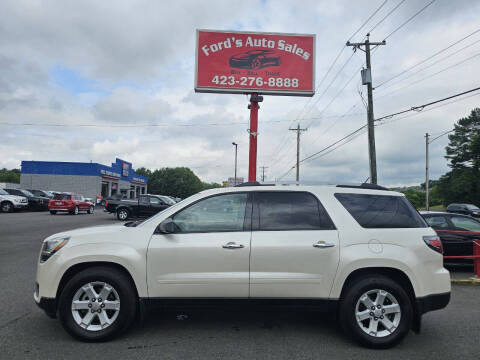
x,y
95,306
378,313
6,207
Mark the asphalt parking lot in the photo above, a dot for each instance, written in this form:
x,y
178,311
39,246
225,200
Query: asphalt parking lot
x,y
26,332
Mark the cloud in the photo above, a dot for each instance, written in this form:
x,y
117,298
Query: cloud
x,y
108,65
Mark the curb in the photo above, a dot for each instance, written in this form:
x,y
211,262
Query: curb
x,y
470,281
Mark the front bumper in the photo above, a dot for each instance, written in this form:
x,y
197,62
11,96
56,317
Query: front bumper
x,y
49,305
432,302
20,205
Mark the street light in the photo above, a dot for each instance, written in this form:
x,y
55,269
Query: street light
x,y
236,148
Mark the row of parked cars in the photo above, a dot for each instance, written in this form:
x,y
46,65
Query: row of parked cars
x,y
53,201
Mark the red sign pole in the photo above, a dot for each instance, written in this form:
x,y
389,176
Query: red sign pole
x,y
252,157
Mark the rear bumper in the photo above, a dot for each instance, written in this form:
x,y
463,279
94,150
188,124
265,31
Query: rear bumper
x,y
432,302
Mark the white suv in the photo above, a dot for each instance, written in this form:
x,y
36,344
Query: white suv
x,y
360,252
8,202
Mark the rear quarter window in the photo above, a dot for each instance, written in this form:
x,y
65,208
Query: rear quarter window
x,y
381,211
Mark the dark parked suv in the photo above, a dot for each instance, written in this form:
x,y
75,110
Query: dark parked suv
x,y
34,202
466,209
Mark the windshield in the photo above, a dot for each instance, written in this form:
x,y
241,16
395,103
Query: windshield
x,y
26,192
36,192
168,200
471,207
3,192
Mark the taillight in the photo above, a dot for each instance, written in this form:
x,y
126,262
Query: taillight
x,y
434,243
106,203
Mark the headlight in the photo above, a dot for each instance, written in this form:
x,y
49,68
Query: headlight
x,y
52,246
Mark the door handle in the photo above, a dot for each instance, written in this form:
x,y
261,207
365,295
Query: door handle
x,y
323,244
232,245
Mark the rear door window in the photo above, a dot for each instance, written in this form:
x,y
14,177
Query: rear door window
x,y
437,222
279,210
381,211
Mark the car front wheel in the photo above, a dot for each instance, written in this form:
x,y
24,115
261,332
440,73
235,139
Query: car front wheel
x,y
7,207
98,304
376,311
90,210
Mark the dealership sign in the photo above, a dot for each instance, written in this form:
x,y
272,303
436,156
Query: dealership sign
x,y
246,62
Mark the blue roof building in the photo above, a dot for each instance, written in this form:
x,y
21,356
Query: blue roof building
x,y
88,179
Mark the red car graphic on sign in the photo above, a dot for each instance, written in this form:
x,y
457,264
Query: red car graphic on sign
x,y
254,59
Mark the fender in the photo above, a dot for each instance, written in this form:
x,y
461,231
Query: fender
x,y
133,260
359,256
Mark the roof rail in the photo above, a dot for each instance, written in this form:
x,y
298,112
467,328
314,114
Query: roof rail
x,y
365,186
253,183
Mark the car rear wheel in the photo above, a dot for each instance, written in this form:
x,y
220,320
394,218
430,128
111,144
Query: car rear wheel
x,y
90,210
53,212
123,214
98,304
7,206
376,312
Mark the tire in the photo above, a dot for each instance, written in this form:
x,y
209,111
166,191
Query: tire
x,y
123,214
75,211
7,207
123,295
90,210
53,212
396,309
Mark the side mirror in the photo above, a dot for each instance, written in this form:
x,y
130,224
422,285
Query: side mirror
x,y
166,227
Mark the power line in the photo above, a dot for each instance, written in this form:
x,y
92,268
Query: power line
x,y
421,107
158,125
431,75
428,58
431,109
409,19
386,16
434,63
325,76
366,21
349,137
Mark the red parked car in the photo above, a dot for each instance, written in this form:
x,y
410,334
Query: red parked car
x,y
71,203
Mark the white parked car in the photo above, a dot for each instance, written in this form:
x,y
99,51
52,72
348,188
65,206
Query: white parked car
x,y
363,254
8,202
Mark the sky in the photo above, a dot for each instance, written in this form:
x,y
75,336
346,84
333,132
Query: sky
x,y
116,79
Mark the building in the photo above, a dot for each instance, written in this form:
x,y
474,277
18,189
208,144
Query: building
x,y
87,179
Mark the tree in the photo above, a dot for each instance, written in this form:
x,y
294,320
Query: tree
x,y
11,176
462,183
463,149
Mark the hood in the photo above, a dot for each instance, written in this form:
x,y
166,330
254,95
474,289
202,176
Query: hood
x,y
14,198
89,231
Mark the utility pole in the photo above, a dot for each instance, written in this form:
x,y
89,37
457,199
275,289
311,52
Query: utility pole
x,y
263,172
236,148
298,130
367,80
427,190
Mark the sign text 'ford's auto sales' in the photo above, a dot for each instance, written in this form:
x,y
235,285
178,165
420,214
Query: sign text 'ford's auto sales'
x,y
244,62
